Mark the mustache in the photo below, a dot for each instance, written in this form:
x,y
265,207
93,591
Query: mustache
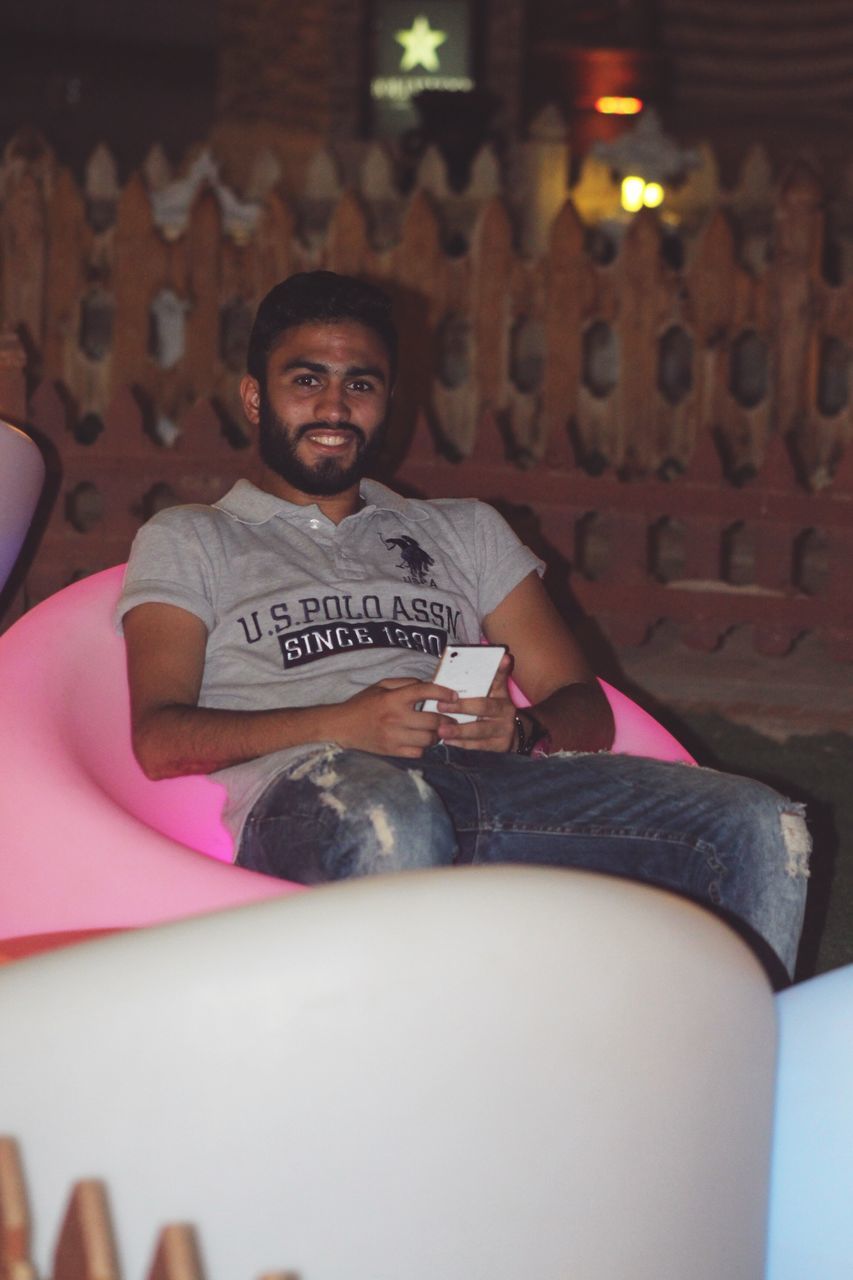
x,y
340,427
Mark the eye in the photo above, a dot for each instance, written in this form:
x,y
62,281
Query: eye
x,y
306,380
361,385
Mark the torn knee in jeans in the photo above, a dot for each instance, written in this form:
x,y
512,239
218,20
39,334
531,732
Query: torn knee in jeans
x,y
382,830
339,813
333,802
371,817
423,788
316,766
798,844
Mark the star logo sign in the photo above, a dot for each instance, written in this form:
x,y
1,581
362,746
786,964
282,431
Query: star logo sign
x,y
419,45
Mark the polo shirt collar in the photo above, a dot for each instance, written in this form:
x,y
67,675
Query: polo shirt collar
x,y
250,505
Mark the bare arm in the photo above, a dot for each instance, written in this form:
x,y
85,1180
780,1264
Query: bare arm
x,y
553,673
172,735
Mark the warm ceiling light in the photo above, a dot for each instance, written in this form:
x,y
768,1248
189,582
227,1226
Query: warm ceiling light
x,y
615,106
653,195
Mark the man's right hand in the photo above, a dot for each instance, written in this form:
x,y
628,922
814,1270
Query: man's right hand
x,y
173,735
384,718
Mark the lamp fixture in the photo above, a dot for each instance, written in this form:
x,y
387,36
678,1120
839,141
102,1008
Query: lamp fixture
x,y
636,193
614,105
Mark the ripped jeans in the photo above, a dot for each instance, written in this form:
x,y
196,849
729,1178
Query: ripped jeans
x,y
726,842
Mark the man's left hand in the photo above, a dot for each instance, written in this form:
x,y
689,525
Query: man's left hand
x,y
494,728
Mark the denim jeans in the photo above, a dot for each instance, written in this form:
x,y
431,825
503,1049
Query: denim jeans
x,y
729,843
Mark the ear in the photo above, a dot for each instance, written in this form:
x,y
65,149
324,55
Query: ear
x,y
250,395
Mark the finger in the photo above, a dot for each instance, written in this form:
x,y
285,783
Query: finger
x,y
422,724
417,740
492,740
408,748
409,691
473,731
426,727
426,689
490,708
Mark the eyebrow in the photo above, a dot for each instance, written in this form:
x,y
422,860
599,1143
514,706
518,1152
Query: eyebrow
x,y
352,371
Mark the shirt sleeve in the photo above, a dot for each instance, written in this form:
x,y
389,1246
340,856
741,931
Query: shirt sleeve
x,y
169,564
502,558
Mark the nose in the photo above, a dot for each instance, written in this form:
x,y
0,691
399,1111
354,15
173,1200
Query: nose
x,y
332,404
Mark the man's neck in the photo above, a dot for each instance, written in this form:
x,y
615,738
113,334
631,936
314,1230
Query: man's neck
x,y
336,507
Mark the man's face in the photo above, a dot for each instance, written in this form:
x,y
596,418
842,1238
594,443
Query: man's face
x,y
322,416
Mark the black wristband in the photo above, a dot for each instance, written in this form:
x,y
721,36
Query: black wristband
x,y
528,741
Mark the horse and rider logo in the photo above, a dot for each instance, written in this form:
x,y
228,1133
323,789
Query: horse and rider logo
x,y
413,559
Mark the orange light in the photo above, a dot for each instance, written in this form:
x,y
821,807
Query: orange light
x,y
613,106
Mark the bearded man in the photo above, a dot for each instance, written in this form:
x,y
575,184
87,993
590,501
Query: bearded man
x,y
284,641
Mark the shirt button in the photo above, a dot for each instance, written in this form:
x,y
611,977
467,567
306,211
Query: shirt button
x,y
314,524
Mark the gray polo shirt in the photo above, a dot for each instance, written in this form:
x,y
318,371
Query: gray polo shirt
x,y
301,611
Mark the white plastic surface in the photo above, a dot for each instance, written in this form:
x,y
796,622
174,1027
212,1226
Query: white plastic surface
x,y
481,1073
811,1211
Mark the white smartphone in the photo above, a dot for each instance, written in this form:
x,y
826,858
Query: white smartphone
x,y
470,670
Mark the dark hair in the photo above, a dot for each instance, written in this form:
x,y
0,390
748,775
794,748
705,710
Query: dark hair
x,y
319,297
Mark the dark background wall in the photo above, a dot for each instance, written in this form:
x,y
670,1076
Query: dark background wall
x,y
85,71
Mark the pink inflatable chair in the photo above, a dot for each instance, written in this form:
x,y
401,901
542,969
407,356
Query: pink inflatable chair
x,y
88,842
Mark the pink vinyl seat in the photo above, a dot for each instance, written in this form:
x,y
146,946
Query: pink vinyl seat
x,y
88,842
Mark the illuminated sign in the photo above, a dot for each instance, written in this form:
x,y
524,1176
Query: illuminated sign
x,y
416,46
420,43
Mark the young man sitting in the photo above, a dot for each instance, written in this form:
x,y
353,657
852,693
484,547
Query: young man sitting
x,y
285,638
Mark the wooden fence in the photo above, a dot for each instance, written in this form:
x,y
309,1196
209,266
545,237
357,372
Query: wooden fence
x,y
672,427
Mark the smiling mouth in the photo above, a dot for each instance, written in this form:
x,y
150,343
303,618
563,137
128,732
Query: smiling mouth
x,y
329,440
331,437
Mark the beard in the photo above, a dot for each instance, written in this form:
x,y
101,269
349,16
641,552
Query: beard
x,y
326,478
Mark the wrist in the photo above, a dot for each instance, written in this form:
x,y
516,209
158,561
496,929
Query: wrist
x,y
530,734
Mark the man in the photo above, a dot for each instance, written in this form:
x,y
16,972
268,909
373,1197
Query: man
x,y
285,639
